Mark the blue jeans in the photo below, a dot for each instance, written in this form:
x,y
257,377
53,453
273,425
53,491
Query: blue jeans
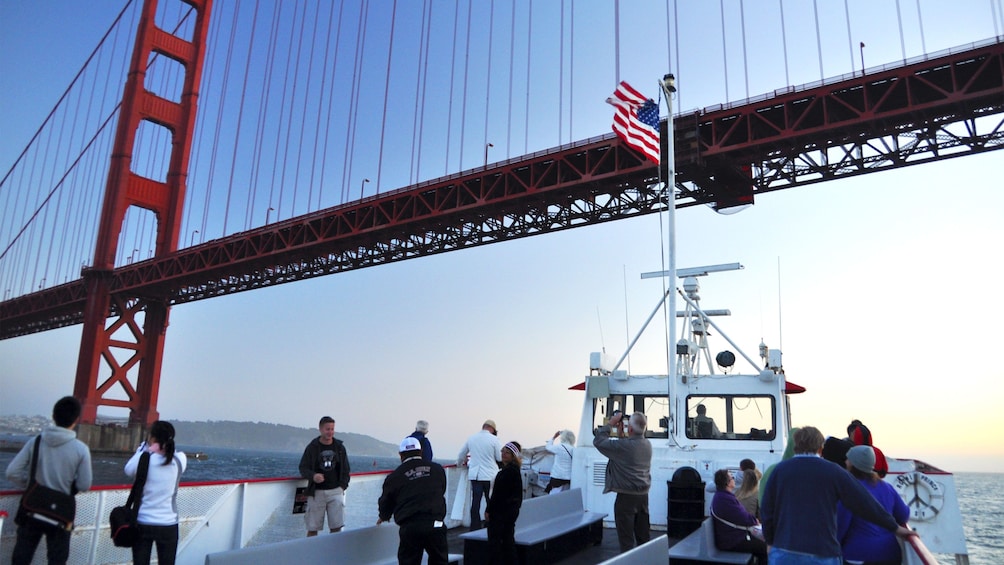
x,y
166,538
479,490
778,556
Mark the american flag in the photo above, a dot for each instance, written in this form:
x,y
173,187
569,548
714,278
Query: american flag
x,y
636,120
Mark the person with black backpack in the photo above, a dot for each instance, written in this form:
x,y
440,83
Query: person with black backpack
x,y
55,461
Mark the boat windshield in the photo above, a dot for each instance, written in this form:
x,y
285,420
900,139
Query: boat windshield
x,y
655,408
731,416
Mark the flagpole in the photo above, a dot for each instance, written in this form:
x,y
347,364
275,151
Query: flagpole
x,y
668,84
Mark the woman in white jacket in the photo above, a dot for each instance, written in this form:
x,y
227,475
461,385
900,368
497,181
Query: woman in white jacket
x,y
158,510
561,445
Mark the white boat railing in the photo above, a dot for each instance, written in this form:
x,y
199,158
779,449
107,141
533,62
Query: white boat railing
x,y
214,516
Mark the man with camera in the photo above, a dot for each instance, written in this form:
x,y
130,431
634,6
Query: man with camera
x,y
629,474
325,465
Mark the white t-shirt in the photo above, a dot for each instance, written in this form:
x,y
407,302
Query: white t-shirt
x,y
562,467
159,506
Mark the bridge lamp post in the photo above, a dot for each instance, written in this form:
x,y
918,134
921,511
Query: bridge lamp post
x,y
268,213
362,187
487,145
191,240
862,49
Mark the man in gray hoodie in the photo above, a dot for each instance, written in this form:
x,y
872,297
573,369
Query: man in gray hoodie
x,y
64,464
629,474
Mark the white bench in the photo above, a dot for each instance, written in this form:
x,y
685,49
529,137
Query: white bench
x,y
370,545
700,546
652,551
548,528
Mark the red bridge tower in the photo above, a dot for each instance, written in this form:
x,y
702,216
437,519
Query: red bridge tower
x,y
119,363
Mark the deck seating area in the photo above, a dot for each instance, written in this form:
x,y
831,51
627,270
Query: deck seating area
x,y
373,545
548,529
699,547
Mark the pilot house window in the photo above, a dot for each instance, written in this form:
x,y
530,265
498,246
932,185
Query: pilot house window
x,y
730,417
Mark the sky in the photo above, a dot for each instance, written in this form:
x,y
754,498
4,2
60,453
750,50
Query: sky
x,y
882,290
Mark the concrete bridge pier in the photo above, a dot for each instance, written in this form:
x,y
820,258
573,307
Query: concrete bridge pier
x,y
111,438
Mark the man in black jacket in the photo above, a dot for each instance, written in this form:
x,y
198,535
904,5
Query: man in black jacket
x,y
415,494
325,465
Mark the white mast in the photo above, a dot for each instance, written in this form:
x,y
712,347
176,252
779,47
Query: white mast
x,y
668,84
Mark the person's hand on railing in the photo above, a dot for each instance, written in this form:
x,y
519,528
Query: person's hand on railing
x,y
903,532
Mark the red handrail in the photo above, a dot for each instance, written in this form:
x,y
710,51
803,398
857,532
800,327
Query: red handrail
x,y
925,556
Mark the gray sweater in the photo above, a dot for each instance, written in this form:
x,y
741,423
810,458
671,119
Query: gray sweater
x,y
629,465
63,461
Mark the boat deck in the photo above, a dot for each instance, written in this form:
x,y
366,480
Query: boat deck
x,y
589,556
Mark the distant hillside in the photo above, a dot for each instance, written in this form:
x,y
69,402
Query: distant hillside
x,y
271,437
234,435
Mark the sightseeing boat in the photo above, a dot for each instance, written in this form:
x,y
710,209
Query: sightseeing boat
x,y
715,408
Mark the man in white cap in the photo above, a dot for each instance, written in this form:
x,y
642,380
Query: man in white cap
x,y
415,495
485,451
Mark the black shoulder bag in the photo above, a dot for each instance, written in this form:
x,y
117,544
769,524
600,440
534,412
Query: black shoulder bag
x,y
122,520
44,504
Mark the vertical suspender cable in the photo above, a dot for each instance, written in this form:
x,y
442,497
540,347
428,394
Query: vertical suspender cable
x,y
419,116
350,130
571,68
746,70
202,130
920,21
512,58
421,55
850,42
488,81
249,206
561,71
996,16
784,44
725,58
453,71
313,122
263,115
676,43
526,109
670,35
819,44
463,109
425,84
386,94
219,128
617,41
902,40
330,97
289,121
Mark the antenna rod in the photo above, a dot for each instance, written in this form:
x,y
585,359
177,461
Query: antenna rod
x,y
780,334
668,85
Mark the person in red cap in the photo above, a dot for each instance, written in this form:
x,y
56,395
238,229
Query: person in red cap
x,y
415,495
859,434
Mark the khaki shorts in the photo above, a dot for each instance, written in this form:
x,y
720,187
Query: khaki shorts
x,y
325,502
